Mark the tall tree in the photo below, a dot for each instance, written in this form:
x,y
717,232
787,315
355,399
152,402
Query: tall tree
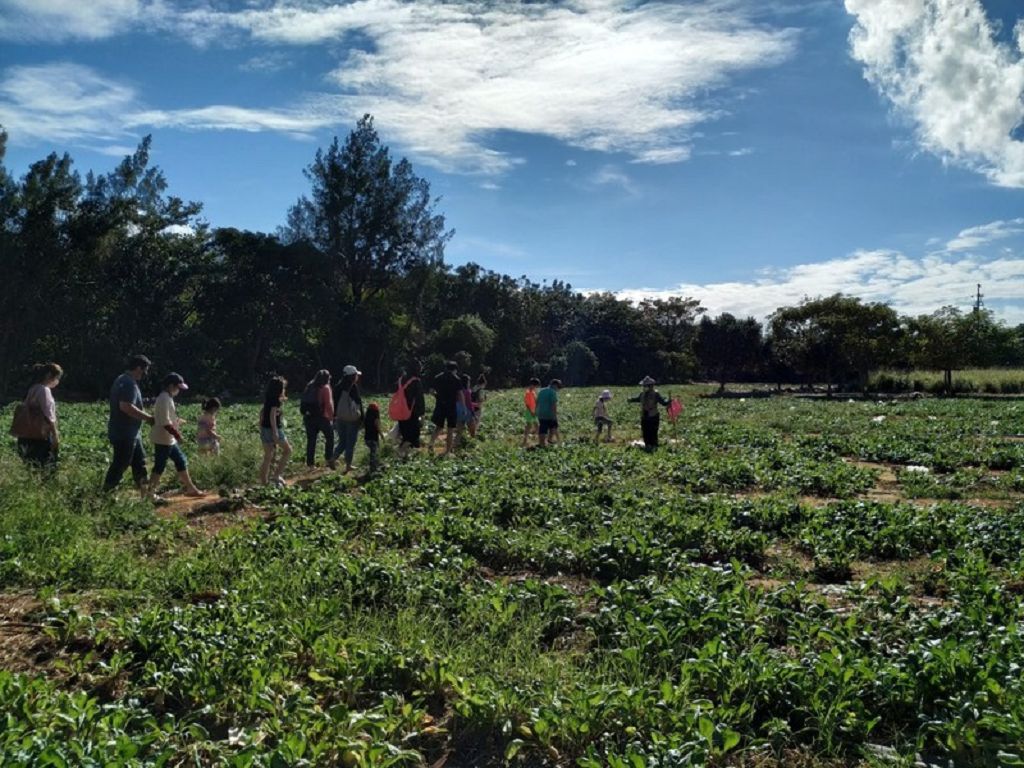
x,y
374,219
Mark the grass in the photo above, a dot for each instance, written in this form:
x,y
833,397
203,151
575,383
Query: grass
x,y
738,598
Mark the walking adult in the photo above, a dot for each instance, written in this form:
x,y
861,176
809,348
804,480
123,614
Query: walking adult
x,y
547,413
650,418
38,436
412,387
348,413
317,407
447,386
125,423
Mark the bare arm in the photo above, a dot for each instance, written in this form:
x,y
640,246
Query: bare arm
x,y
129,409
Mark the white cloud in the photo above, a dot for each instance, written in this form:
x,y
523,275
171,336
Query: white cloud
x,y
445,77
741,152
612,176
221,117
61,101
910,285
57,20
975,237
939,64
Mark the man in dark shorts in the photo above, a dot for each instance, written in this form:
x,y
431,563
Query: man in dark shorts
x,y
547,413
124,425
446,393
409,429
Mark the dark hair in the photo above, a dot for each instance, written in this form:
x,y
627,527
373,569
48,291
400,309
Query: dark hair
x,y
322,377
212,404
138,361
481,379
534,382
556,383
274,393
43,372
415,367
451,365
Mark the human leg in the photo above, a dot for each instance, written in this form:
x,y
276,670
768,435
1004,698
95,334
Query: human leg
x,y
312,426
119,462
327,428
268,459
284,454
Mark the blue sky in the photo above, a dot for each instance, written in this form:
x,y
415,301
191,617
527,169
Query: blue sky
x,y
746,153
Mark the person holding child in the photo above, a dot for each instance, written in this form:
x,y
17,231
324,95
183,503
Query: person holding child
x,y
167,437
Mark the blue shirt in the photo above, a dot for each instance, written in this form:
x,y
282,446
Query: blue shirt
x,y
547,399
121,426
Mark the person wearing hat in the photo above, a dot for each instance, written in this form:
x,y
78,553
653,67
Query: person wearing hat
x,y
124,425
601,419
348,414
650,417
167,437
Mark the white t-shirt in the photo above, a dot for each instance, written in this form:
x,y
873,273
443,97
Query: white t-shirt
x,y
164,413
41,396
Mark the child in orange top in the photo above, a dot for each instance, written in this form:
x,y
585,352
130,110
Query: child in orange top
x,y
530,410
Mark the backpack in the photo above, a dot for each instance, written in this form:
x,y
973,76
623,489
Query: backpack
x,y
347,409
309,403
398,408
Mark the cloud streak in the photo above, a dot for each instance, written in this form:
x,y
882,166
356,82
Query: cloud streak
x,y
449,78
940,66
910,285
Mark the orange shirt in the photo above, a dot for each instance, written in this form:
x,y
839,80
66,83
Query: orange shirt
x,y
530,398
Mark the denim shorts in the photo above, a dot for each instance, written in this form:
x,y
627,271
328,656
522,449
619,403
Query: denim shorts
x,y
267,436
161,453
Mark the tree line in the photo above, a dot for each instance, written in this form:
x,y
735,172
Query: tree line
x,y
101,266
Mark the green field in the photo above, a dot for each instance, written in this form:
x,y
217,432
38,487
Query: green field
x,y
784,583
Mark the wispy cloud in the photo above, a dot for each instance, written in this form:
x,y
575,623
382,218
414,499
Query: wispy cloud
x,y
447,77
273,61
939,64
913,285
63,102
613,176
974,237
59,20
604,75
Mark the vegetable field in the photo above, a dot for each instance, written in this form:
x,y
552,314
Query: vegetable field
x,y
784,583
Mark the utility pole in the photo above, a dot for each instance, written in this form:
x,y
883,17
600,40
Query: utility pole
x,y
977,300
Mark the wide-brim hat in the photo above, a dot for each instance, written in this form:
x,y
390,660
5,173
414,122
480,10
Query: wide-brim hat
x,y
606,394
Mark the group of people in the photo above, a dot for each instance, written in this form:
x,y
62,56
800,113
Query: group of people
x,y
335,412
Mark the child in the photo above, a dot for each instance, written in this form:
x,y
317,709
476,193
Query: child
x,y
166,437
601,419
272,431
371,433
206,435
530,410
478,396
464,407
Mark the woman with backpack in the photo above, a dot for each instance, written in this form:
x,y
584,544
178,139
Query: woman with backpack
x,y
35,423
348,414
408,406
317,409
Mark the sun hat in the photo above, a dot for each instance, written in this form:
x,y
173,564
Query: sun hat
x,y
175,378
605,395
647,381
351,370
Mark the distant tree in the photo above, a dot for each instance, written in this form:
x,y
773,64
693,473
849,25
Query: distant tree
x,y
833,338
727,346
468,334
949,340
373,218
580,363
